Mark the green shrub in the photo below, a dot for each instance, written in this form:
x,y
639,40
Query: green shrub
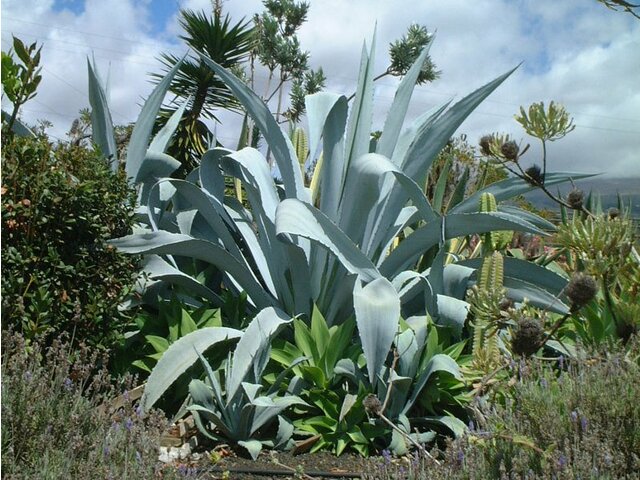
x,y
59,206
52,423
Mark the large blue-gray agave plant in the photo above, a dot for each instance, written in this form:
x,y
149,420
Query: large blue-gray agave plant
x,y
288,253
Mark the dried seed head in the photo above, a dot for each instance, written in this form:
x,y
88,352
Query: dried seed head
x,y
505,304
485,144
527,336
613,213
371,404
534,176
510,150
580,290
575,199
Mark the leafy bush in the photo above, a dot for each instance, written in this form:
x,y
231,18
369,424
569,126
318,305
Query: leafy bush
x,y
53,421
579,423
59,206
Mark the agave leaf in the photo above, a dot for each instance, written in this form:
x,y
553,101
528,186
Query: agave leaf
x,y
300,219
256,339
363,184
101,122
398,110
180,356
512,187
254,447
285,432
532,218
542,277
425,148
438,363
166,243
196,198
452,312
456,226
18,127
329,113
360,119
268,408
139,143
161,141
280,145
377,309
156,165
415,194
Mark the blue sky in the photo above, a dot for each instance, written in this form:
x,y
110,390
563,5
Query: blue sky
x,y
575,52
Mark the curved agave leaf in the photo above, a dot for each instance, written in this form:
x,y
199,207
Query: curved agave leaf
x,y
361,117
542,277
18,127
158,269
256,339
300,219
138,145
280,145
101,122
327,114
438,363
532,218
161,141
425,148
364,181
512,187
179,357
417,149
165,243
456,226
377,309
397,112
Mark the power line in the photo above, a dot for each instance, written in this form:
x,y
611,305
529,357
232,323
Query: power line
x,y
121,39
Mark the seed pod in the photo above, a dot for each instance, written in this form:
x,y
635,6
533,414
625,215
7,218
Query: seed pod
x,y
371,404
527,336
510,150
534,176
580,290
575,199
485,145
613,213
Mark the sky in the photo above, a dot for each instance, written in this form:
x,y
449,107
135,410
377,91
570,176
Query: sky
x,y
575,52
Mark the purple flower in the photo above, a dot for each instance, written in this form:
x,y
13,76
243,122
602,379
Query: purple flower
x,y
105,451
584,423
562,461
67,384
460,456
574,416
128,423
543,383
139,410
386,454
472,426
561,362
138,457
27,376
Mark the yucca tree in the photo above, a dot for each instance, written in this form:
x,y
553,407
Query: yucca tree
x,y
229,44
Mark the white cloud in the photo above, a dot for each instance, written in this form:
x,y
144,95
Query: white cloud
x,y
575,52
